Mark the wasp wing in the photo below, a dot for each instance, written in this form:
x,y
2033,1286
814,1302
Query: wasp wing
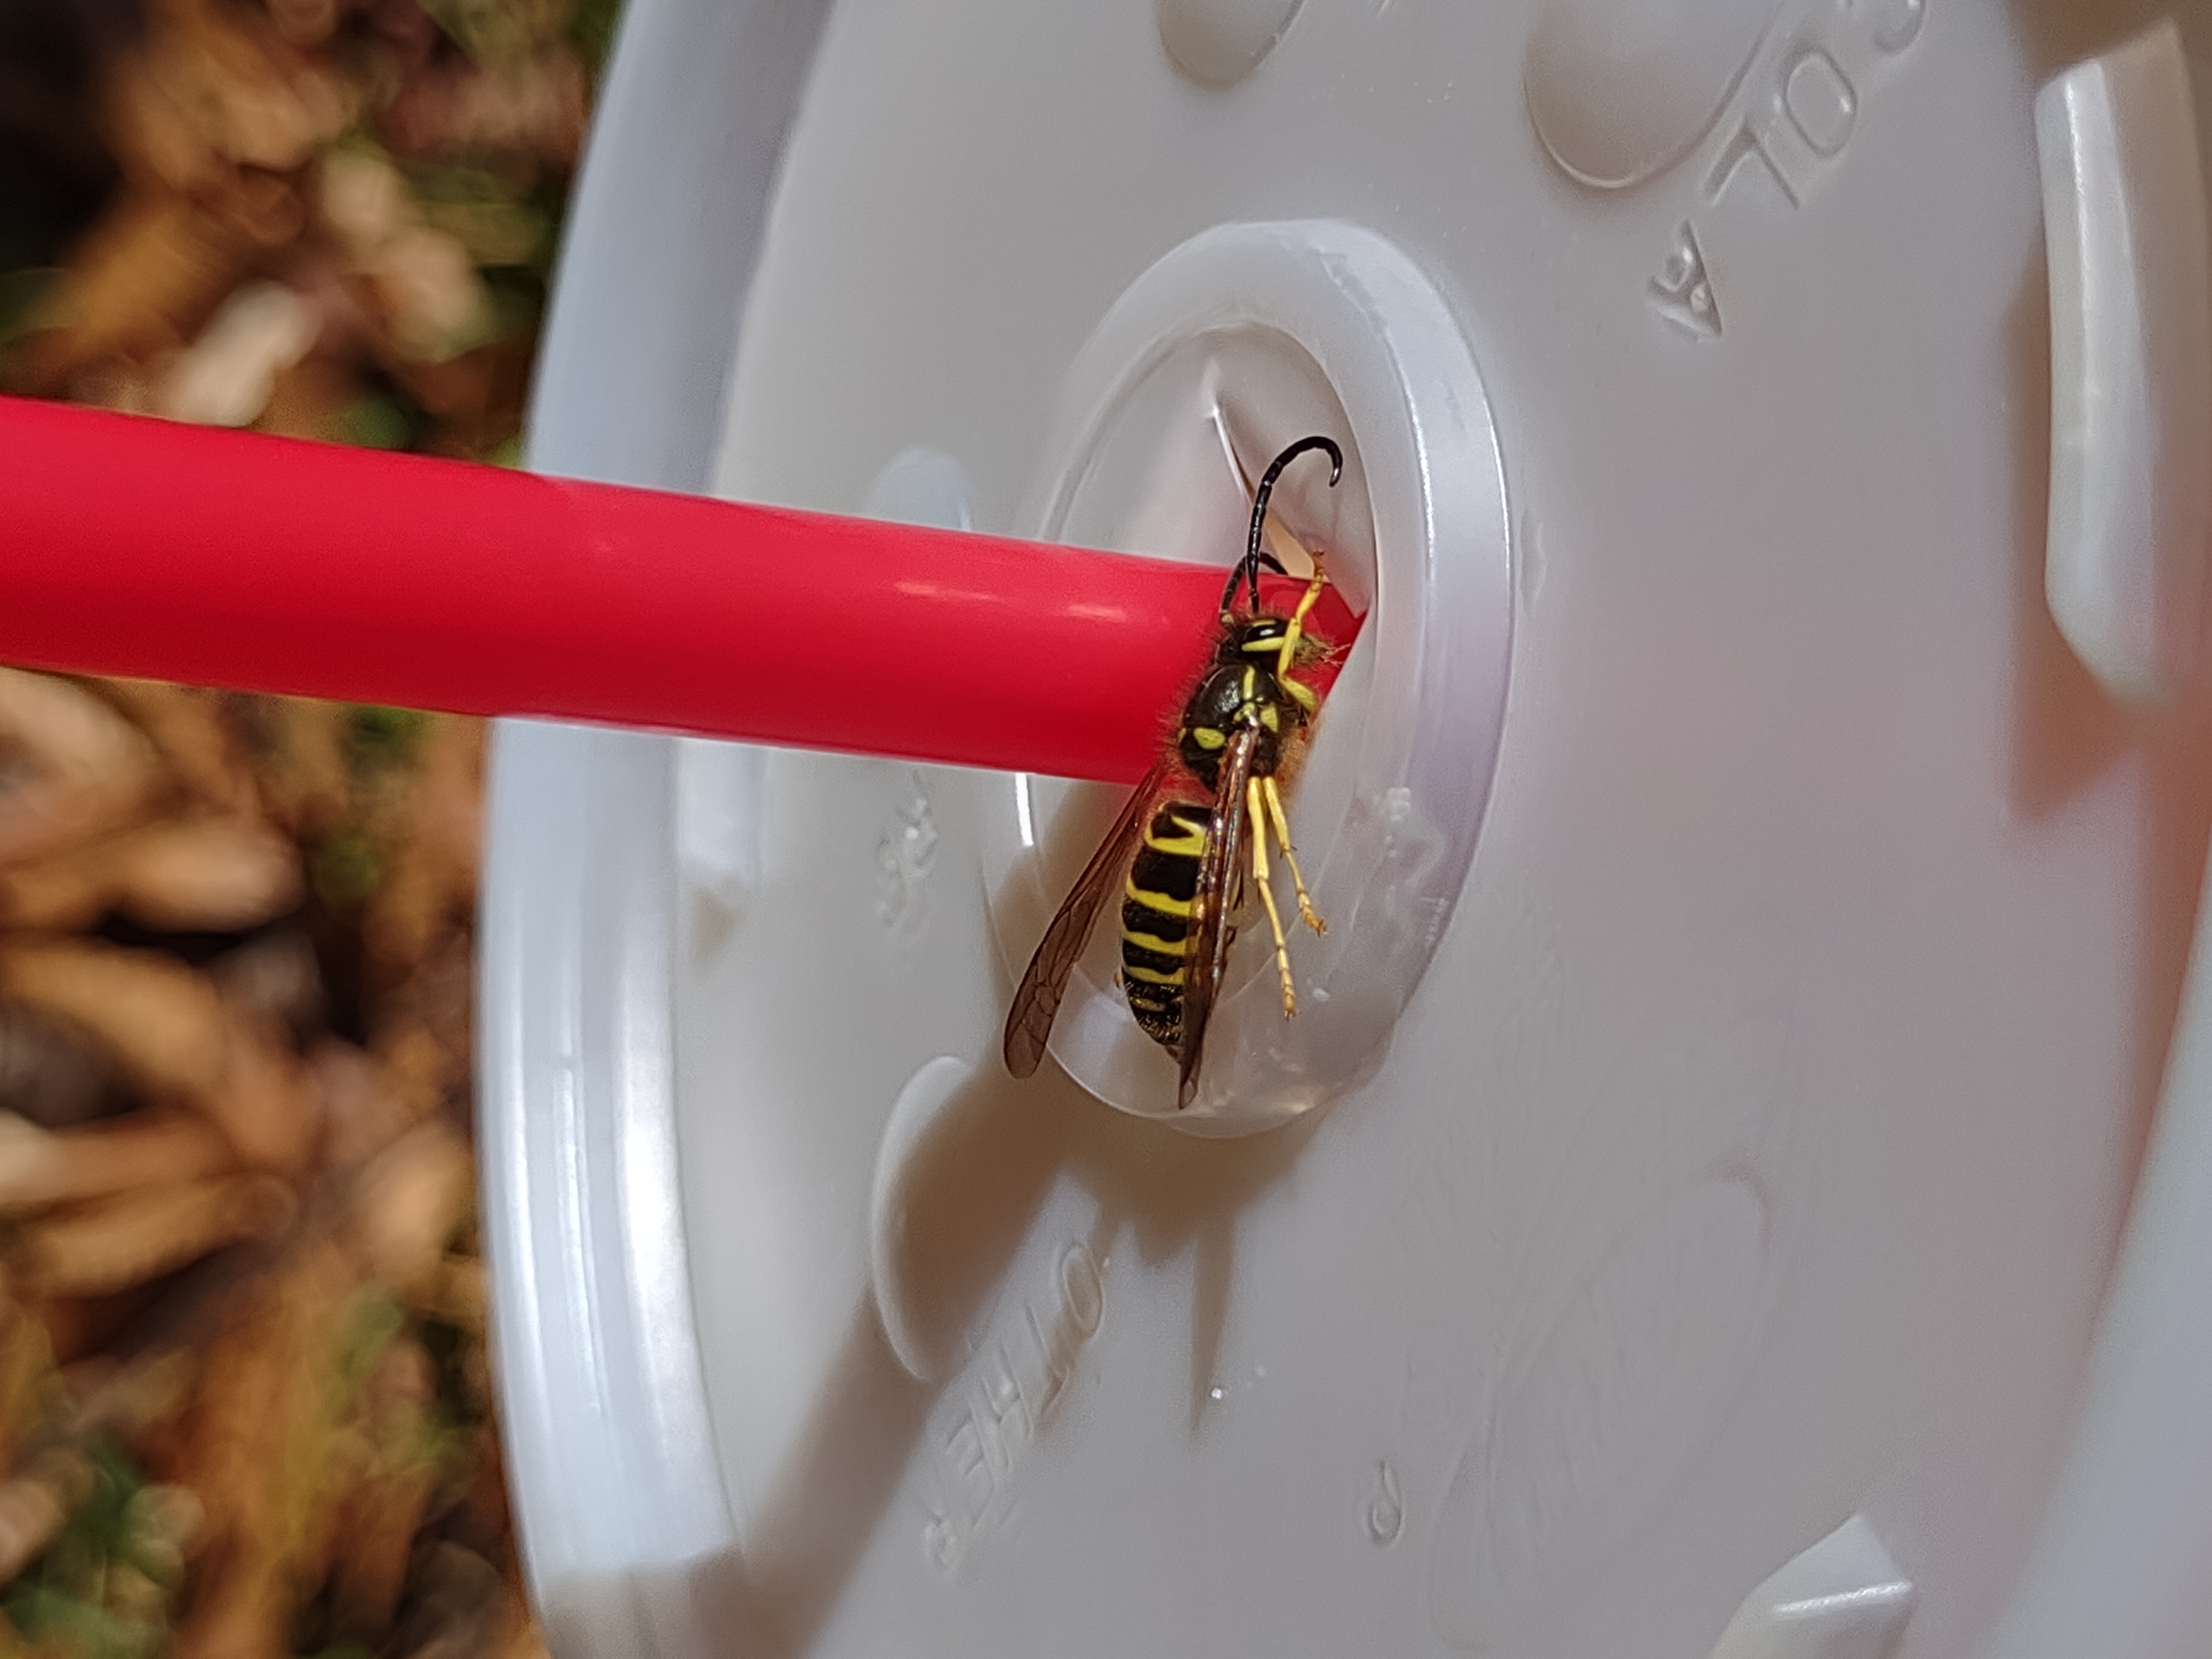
x,y
1037,1000
1219,889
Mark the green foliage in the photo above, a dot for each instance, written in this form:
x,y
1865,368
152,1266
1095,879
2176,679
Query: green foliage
x,y
55,1618
384,737
347,867
484,212
374,1322
376,421
101,1586
22,293
592,31
99,1529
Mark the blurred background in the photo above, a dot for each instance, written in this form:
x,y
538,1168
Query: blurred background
x,y
244,1405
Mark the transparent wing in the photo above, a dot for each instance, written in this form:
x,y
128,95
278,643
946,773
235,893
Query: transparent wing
x,y
1037,1000
1216,898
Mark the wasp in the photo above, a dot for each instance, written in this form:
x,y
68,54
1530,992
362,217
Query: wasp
x,y
1179,850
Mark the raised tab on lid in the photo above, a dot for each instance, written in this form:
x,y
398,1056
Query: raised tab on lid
x,y
2130,363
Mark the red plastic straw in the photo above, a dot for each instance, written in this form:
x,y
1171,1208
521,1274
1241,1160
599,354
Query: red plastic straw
x,y
130,546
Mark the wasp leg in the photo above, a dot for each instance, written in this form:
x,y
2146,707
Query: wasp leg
x,y
1290,635
1282,822
1256,809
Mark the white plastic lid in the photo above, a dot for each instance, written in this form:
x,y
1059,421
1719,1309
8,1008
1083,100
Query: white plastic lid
x,y
1717,1247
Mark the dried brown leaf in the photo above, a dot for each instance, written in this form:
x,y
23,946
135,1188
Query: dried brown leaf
x,y
262,1449
365,202
173,1036
133,1399
267,210
70,765
435,306
80,1327
304,779
420,1068
121,1242
220,875
30,1383
146,277
534,110
462,1607
205,874
456,1293
50,1073
215,87
432,883
409,1203
480,1518
361,1115
172,1517
275,980
33,1505
311,399
385,1507
40,1168
64,892
304,22
194,737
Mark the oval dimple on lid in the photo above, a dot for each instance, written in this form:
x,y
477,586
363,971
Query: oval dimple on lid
x,y
1617,89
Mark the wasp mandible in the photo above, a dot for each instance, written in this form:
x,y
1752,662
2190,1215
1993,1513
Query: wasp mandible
x,y
1179,849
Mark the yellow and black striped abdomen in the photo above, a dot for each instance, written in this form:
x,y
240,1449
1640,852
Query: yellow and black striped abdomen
x,y
1156,919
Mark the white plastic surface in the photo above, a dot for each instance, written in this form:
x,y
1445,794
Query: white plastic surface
x,y
1755,1148
1842,1599
625,1532
717,807
1619,90
2119,1568
2131,363
1219,42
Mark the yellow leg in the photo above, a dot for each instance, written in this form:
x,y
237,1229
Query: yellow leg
x,y
1290,635
1255,811
1282,822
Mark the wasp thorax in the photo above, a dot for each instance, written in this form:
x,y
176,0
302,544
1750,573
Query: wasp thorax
x,y
1254,640
1244,691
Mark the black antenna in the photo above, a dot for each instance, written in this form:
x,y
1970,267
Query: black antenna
x,y
1247,569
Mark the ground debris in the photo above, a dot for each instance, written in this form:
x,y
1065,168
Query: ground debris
x,y
40,1168
183,874
245,1400
236,1191
173,1034
71,768
100,1248
244,1393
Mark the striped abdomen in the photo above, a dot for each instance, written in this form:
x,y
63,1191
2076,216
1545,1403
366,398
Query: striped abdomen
x,y
1156,919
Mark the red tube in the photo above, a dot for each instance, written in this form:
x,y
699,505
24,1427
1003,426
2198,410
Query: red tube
x,y
130,546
